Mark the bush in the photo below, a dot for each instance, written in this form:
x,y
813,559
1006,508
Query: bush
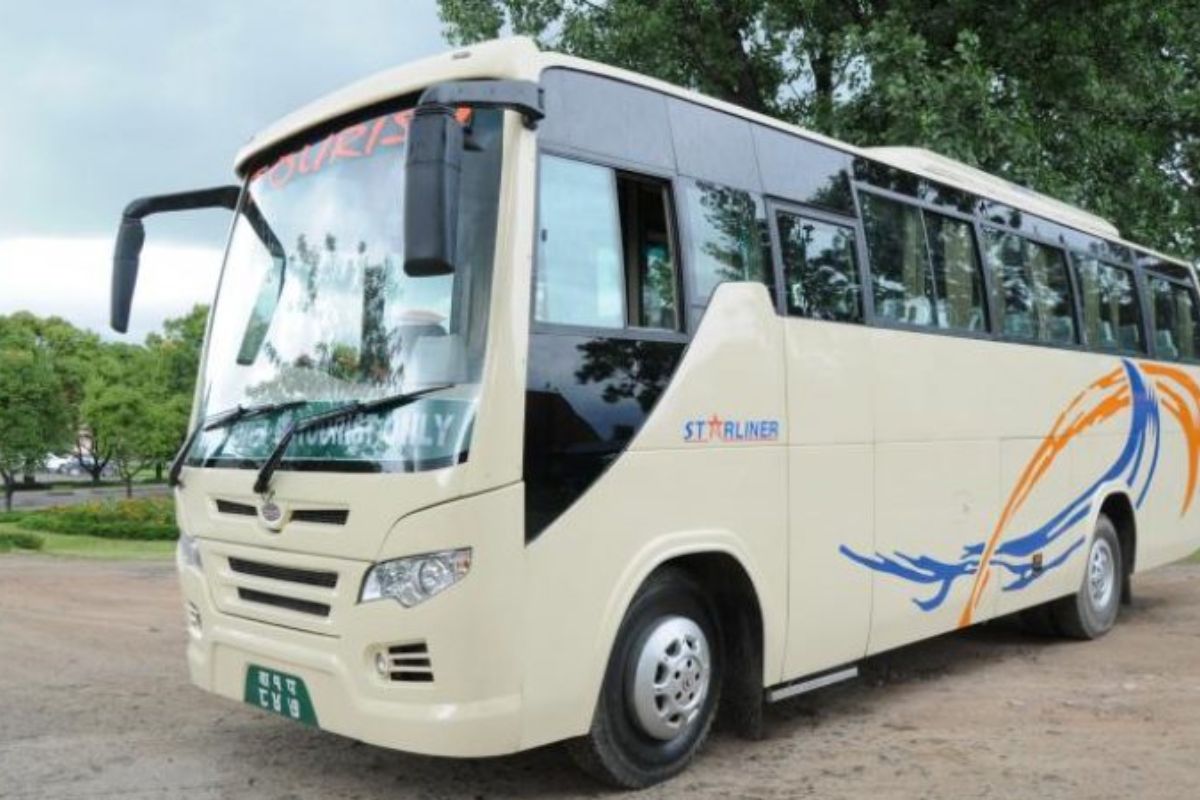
x,y
19,541
144,518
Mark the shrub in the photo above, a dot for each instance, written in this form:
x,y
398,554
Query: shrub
x,y
11,540
141,518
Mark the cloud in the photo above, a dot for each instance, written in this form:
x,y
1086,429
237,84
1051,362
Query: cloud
x,y
104,102
70,278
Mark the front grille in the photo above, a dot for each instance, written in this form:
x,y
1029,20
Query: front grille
x,y
321,516
410,663
309,577
239,509
290,603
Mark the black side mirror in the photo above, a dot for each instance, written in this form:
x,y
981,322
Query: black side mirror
x,y
132,235
433,165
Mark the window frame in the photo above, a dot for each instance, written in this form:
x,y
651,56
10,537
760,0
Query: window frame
x,y
817,214
1139,297
669,181
873,319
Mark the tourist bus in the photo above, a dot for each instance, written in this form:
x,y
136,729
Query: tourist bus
x,y
544,401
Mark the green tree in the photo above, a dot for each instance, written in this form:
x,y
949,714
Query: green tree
x,y
174,358
121,411
33,414
1096,101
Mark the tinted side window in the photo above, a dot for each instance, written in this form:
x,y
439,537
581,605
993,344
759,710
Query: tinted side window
x,y
924,266
900,275
728,239
1176,320
820,268
1112,317
958,282
605,249
1033,288
579,269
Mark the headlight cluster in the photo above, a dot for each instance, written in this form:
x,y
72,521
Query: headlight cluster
x,y
415,579
187,552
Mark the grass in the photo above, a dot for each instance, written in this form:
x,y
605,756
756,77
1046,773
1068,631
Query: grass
x,y
68,544
1194,558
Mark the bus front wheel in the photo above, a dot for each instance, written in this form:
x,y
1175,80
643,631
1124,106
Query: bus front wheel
x,y
661,686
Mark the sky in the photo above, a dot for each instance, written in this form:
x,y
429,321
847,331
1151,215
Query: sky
x,y
107,101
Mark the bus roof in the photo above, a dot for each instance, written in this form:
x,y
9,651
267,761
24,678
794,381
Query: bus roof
x,y
520,58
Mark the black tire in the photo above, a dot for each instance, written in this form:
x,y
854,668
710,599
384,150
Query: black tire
x,y
618,750
1083,615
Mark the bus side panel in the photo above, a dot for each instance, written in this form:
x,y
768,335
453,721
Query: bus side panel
x,y
671,493
830,493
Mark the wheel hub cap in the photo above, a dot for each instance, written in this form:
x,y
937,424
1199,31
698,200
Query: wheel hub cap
x,y
671,678
1102,578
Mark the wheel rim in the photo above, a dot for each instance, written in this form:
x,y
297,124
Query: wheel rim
x,y
1102,575
671,678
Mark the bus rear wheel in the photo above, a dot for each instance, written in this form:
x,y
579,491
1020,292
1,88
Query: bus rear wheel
x,y
1092,611
661,686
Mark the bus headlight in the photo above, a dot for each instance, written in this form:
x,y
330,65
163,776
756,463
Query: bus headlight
x,y
415,579
187,552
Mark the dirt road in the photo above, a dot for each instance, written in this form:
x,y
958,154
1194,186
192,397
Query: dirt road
x,y
94,703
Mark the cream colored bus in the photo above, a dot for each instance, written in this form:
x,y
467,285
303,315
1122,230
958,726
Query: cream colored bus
x,y
543,401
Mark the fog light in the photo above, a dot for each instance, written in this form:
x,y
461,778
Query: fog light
x,y
382,665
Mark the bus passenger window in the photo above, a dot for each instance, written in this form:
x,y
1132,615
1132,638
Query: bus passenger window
x,y
900,275
924,266
958,282
729,240
1112,319
605,249
1176,320
820,269
1033,289
579,269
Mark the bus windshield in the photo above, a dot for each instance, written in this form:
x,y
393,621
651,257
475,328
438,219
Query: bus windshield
x,y
315,309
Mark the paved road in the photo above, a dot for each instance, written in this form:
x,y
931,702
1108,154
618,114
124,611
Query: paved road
x,y
94,703
44,498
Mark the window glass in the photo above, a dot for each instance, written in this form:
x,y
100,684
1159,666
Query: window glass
x,y
901,280
958,282
820,269
579,273
1176,320
1033,289
1112,318
653,289
729,238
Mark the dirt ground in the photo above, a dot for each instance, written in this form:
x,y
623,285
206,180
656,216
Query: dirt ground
x,y
94,703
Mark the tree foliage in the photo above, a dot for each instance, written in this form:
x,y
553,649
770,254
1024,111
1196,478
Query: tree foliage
x,y
114,404
1093,101
33,414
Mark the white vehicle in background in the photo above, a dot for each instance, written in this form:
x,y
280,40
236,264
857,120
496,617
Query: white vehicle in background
x,y
543,401
60,465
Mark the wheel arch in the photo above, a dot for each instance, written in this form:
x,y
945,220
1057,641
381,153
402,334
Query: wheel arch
x,y
746,614
1120,510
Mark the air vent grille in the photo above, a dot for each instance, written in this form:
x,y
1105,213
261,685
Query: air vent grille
x,y
239,509
309,577
290,603
321,516
410,663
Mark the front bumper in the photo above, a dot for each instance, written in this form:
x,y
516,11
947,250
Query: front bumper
x,y
470,708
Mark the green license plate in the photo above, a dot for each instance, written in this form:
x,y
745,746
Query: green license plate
x,y
280,693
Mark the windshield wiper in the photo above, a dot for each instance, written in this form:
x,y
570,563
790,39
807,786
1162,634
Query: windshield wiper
x,y
347,411
223,419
